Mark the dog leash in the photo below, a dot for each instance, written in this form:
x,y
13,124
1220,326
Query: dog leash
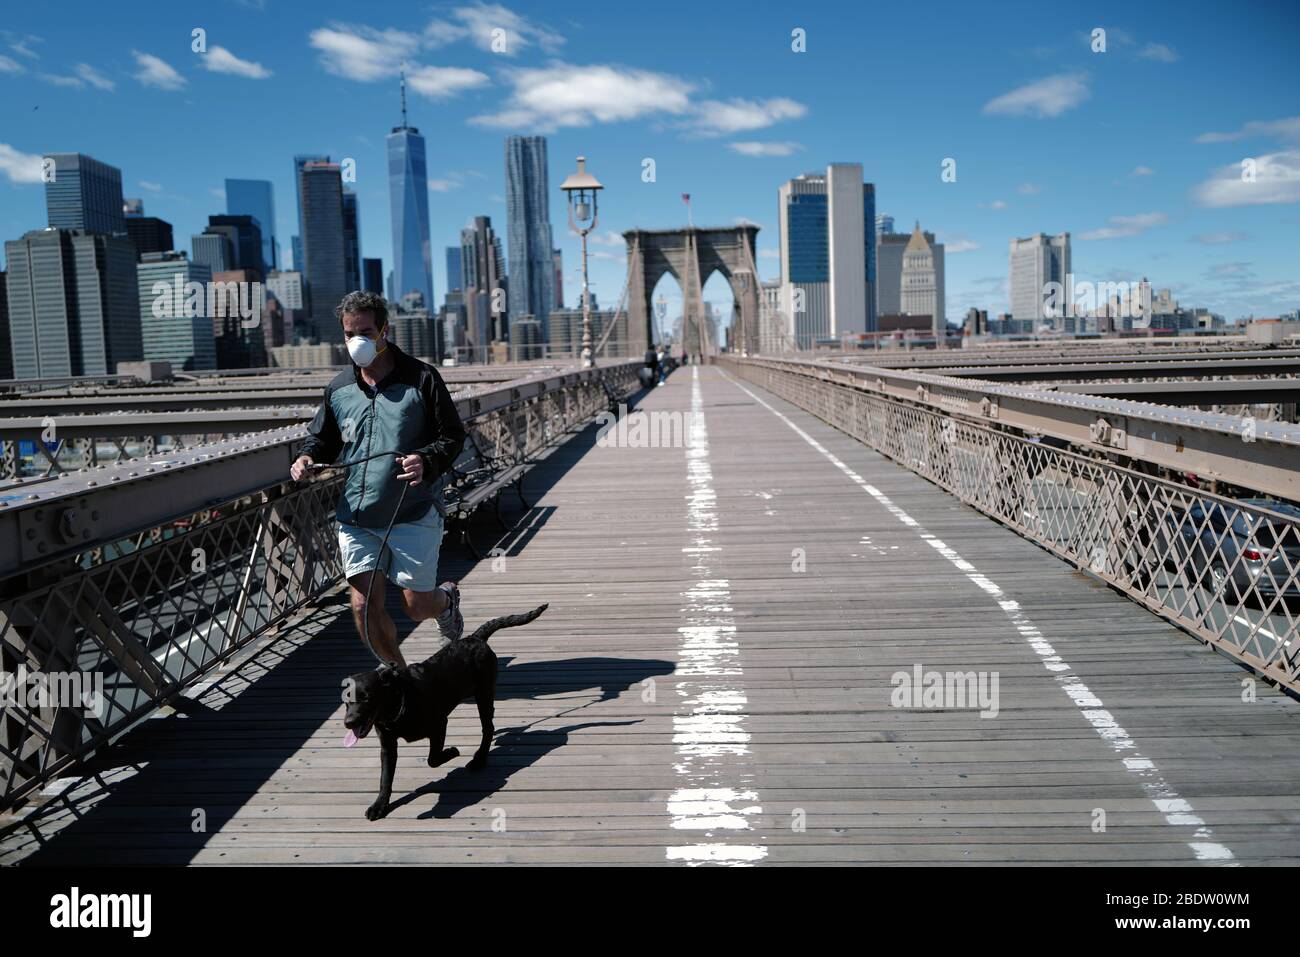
x,y
317,467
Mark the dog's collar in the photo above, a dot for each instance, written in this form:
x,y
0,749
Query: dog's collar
x,y
401,708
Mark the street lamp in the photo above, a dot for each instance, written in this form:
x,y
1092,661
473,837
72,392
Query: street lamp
x,y
582,188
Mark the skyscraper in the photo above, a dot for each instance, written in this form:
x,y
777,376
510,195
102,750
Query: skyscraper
x,y
485,286
1033,263
149,233
74,307
528,229
299,161
408,195
324,247
212,251
454,276
245,237
183,340
6,352
558,259
828,253
921,281
256,198
84,194
352,239
372,276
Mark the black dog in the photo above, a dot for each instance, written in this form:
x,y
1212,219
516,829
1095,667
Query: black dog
x,y
413,702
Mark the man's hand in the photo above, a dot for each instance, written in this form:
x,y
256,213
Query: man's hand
x,y
299,467
413,469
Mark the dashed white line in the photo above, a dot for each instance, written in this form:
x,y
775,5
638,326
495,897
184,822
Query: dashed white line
x,y
1176,810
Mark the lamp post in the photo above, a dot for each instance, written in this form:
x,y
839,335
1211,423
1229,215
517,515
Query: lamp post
x,y
581,189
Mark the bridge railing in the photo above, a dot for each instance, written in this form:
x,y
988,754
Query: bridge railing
x,y
1225,569
122,586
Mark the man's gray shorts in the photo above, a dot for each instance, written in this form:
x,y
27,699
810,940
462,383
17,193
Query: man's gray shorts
x,y
409,561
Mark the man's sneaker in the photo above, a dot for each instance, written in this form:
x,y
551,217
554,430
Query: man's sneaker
x,y
451,623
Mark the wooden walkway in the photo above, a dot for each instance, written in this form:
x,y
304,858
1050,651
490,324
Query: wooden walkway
x,y
712,684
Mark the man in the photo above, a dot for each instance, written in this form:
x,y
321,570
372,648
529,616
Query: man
x,y
387,401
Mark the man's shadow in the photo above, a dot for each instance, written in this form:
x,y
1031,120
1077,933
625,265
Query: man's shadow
x,y
513,750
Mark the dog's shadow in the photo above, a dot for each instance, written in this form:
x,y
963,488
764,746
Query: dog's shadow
x,y
513,750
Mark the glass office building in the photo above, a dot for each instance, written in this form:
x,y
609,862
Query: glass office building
x,y
256,198
84,193
528,230
408,197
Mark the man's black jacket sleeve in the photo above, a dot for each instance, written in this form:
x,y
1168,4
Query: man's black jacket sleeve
x,y
324,440
445,427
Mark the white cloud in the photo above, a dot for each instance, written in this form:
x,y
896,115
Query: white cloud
x,y
57,80
156,72
723,118
10,65
152,187
1219,239
1285,129
1142,171
996,204
1122,226
362,53
607,238
1028,189
559,95
1277,180
1048,97
753,148
1158,52
94,77
445,185
960,245
769,254
21,47
20,167
221,60
478,22
218,191
437,82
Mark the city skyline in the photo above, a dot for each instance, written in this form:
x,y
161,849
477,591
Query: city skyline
x,y
1046,134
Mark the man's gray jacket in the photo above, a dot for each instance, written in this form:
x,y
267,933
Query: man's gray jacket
x,y
409,411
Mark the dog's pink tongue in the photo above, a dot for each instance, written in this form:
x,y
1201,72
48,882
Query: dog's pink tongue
x,y
351,739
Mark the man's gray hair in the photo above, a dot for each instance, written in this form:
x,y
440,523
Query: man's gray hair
x,y
359,302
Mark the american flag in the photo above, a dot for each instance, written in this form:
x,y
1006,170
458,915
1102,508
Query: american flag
x,y
686,198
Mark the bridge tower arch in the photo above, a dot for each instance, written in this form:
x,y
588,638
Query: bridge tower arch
x,y
692,255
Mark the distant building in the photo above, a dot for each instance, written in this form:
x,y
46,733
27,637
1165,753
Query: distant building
x,y
239,346
566,333
212,250
324,247
245,236
528,227
558,258
352,240
286,286
1034,262
166,332
314,356
884,225
6,351
414,330
454,273
74,307
408,197
977,322
525,338
149,234
921,291
828,253
486,291
84,194
256,198
372,276
451,324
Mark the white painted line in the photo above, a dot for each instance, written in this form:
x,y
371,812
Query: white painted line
x,y
709,723
1090,706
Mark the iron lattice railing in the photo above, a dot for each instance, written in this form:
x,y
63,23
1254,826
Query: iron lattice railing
x,y
129,624
1226,570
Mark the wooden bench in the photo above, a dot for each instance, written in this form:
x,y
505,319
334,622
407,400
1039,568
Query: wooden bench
x,y
476,478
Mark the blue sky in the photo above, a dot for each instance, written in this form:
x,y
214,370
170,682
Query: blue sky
x,y
1136,151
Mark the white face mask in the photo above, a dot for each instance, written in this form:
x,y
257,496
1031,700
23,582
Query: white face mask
x,y
362,350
